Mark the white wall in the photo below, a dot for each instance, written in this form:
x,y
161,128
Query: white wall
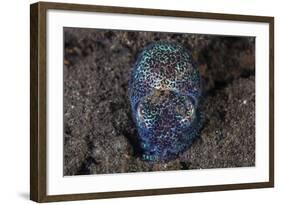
x,y
14,104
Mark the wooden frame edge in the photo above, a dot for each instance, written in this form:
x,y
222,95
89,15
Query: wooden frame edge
x,y
37,102
33,101
154,192
34,191
271,100
38,97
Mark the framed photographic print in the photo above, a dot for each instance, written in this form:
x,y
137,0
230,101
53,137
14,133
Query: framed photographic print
x,y
134,102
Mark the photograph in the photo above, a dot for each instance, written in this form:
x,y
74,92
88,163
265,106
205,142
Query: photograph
x,y
148,101
129,101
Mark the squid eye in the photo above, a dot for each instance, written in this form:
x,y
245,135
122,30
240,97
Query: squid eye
x,y
140,112
180,110
190,110
146,114
185,112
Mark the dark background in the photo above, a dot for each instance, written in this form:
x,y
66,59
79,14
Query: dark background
x,y
99,135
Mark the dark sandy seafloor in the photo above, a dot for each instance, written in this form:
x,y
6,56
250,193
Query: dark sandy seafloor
x,y
99,134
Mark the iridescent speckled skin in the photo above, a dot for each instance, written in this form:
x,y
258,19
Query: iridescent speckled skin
x,y
164,93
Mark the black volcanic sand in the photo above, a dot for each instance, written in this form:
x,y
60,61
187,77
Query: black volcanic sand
x,y
99,134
